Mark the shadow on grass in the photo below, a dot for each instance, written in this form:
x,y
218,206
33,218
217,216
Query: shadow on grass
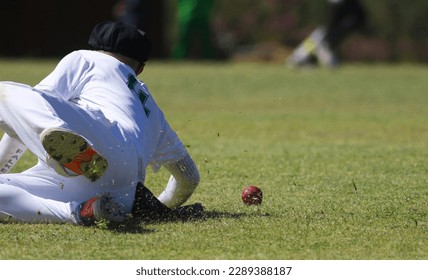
x,y
229,215
139,227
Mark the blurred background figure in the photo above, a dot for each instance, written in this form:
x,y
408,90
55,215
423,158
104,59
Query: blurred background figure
x,y
243,30
321,46
146,15
136,12
194,30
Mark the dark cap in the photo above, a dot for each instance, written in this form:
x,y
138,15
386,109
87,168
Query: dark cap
x,y
121,38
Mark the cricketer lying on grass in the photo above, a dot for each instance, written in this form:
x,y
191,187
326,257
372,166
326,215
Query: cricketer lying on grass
x,y
96,96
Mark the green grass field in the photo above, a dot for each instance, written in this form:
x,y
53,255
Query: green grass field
x,y
341,156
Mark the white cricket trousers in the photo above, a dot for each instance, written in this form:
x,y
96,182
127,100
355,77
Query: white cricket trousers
x,y
39,194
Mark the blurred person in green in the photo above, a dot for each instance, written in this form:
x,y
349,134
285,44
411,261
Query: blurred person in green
x,y
194,30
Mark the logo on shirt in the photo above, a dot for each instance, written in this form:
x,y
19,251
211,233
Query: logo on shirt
x,y
143,96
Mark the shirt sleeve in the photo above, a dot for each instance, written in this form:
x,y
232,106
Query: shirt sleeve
x,y
67,79
169,147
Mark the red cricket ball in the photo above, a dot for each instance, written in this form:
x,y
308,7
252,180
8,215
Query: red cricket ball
x,y
252,195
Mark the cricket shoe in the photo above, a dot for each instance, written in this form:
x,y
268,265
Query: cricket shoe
x,y
71,155
99,208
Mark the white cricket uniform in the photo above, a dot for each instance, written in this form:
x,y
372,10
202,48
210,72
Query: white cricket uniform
x,y
100,98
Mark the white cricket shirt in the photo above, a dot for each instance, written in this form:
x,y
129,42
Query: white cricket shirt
x,y
110,89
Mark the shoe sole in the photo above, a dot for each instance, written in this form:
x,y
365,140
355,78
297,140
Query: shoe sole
x,y
72,152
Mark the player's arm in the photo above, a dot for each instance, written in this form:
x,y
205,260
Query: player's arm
x,y
182,183
147,207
